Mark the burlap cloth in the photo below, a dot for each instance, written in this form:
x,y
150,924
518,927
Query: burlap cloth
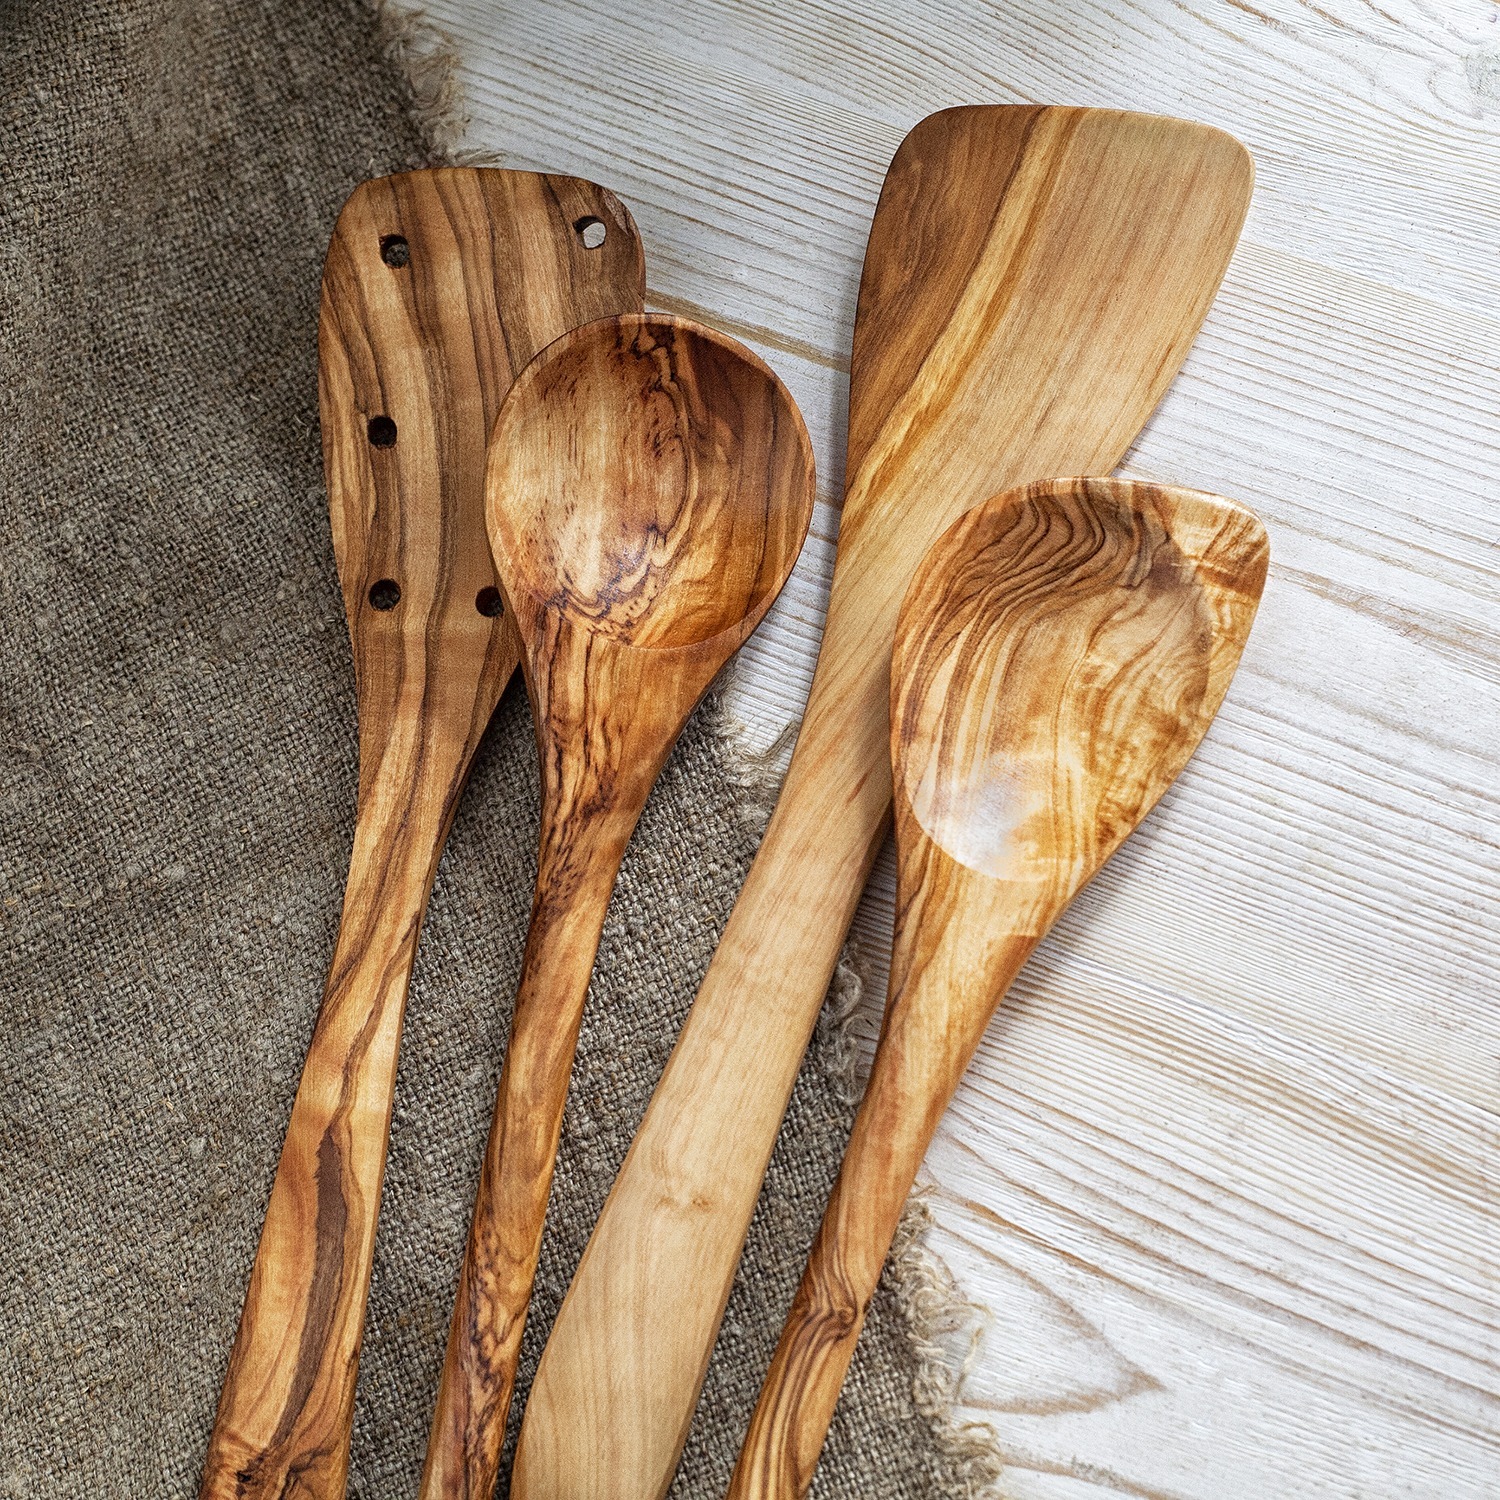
x,y
178,774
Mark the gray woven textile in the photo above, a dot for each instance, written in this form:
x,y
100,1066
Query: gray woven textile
x,y
177,767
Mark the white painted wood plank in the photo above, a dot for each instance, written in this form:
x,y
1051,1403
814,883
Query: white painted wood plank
x,y
1225,1169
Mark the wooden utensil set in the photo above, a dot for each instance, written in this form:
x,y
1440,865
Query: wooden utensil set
x,y
1021,665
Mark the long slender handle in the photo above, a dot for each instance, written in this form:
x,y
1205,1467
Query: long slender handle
x,y
610,1408
286,1410
505,1235
933,1026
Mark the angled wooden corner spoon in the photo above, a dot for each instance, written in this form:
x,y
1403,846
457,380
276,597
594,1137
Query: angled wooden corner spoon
x,y
437,288
1033,281
650,485
1058,658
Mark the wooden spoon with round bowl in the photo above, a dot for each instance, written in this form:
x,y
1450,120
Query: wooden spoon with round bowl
x,y
1058,657
438,287
650,485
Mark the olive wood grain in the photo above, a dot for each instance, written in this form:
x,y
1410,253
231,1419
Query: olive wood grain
x,y
1033,280
1057,660
650,485
438,287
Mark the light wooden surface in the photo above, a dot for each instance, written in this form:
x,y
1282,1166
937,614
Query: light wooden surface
x,y
649,487
1058,657
1224,1173
426,317
1035,275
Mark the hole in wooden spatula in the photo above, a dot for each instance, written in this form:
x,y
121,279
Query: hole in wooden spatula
x,y
382,432
591,231
385,593
488,602
394,250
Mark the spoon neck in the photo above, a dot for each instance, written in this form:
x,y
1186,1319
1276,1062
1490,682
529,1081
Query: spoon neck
x,y
586,824
939,1006
945,988
607,716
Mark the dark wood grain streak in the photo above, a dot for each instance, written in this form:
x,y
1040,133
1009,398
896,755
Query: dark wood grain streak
x,y
494,270
649,488
1035,277
1059,656
937,238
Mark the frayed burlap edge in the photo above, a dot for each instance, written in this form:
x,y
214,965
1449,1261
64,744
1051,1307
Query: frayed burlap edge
x,y
937,1314
426,59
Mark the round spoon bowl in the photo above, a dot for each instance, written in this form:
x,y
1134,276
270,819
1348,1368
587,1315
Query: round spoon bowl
x,y
648,480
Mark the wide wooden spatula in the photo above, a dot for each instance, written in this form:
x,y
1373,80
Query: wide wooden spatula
x,y
1059,656
1033,281
438,287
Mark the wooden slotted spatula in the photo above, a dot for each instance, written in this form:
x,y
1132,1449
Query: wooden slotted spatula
x,y
438,287
1060,654
1033,280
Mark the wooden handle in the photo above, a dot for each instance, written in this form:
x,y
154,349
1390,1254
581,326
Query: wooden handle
x,y
932,1029
610,1408
286,1409
597,772
579,862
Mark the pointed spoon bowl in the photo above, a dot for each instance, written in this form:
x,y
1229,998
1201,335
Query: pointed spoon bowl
x,y
1058,657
